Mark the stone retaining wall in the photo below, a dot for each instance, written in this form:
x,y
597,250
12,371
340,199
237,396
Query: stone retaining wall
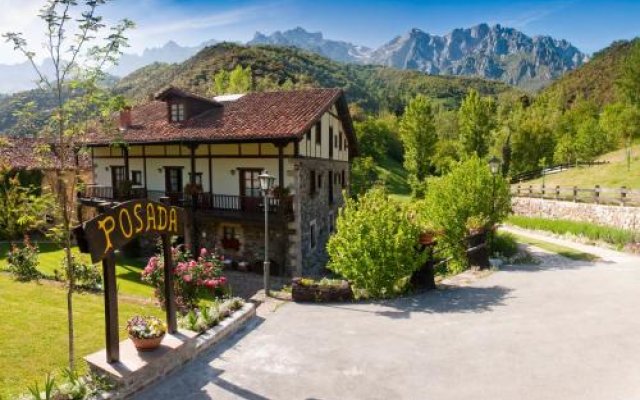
x,y
615,216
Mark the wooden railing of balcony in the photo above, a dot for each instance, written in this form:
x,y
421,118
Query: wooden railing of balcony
x,y
204,201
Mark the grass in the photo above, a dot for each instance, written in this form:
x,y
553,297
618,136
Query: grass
x,y
127,270
558,249
612,175
393,174
597,233
33,338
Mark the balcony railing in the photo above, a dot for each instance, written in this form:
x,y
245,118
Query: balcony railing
x,y
203,201
108,193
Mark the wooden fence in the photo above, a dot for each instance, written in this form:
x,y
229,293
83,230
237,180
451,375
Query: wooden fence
x,y
552,169
598,195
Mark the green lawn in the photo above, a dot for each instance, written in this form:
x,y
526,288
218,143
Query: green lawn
x,y
127,270
394,176
555,248
33,338
597,233
612,175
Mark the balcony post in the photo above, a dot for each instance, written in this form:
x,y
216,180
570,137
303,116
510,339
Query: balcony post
x,y
194,198
281,174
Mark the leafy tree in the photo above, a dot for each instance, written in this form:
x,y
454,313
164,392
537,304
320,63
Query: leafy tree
x,y
418,134
373,246
363,175
629,81
476,121
22,208
78,62
622,122
453,199
239,80
378,138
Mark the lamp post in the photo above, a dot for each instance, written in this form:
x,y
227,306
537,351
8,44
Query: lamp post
x,y
494,166
266,183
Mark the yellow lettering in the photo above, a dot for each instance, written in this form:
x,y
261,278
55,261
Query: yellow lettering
x,y
162,218
136,214
151,216
129,231
102,225
173,220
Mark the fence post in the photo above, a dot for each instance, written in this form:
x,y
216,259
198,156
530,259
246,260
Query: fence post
x,y
575,194
518,189
530,190
557,192
543,191
623,195
596,194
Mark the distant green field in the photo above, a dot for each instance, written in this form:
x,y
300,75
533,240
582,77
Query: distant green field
x,y
393,174
612,175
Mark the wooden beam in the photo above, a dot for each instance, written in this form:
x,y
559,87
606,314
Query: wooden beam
x,y
111,308
169,295
144,168
281,165
125,154
210,170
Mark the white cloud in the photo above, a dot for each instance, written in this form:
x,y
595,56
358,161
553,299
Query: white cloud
x,y
19,18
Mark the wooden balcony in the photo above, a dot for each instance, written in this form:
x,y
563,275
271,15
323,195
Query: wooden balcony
x,y
222,205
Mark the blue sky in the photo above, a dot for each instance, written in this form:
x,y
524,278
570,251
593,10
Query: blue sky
x,y
590,25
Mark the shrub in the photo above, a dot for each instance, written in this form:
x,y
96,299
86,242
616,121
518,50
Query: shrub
x,y
459,199
374,245
85,275
207,317
23,261
194,278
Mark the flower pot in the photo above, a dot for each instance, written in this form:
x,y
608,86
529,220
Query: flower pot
x,y
426,238
147,344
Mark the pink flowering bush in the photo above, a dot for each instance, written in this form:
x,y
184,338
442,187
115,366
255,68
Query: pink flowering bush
x,y
194,278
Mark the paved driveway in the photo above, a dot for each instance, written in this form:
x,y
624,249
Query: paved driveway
x,y
559,330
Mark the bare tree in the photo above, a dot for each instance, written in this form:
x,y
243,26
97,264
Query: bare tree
x,y
80,47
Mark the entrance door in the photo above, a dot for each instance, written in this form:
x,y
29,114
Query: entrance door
x,y
173,184
118,178
250,193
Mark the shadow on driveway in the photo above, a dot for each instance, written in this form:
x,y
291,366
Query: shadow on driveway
x,y
450,299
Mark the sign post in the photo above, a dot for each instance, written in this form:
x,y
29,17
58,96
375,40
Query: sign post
x,y
114,228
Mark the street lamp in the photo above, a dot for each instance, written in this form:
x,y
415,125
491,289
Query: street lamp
x,y
494,166
266,183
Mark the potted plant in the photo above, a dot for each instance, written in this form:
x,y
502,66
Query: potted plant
x,y
146,333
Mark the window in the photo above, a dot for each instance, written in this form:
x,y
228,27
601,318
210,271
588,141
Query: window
x,y
177,112
344,182
319,132
312,234
319,181
340,141
250,183
312,182
136,177
309,134
198,178
228,232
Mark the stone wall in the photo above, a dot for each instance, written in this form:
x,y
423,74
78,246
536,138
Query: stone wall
x,y
251,238
315,209
615,216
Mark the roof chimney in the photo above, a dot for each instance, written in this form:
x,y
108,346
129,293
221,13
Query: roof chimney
x,y
125,118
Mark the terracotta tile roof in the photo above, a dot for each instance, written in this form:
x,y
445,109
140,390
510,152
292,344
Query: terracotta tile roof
x,y
22,153
263,116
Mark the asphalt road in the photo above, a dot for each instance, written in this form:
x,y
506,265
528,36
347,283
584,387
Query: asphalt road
x,y
557,330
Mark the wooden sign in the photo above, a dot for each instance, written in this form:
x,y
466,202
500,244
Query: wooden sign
x,y
119,225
